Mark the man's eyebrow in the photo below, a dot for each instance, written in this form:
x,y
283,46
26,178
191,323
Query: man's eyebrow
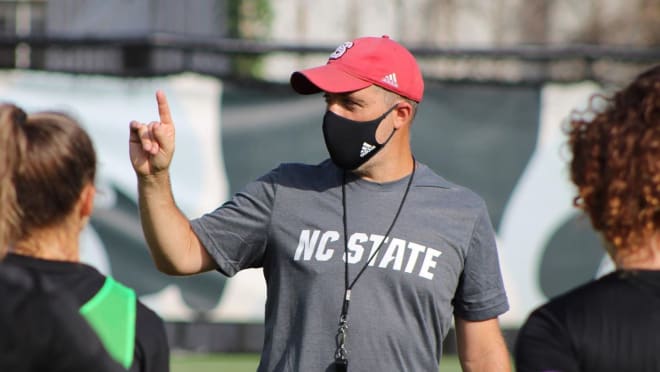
x,y
354,98
348,95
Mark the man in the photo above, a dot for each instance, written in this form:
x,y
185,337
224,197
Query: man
x,y
365,255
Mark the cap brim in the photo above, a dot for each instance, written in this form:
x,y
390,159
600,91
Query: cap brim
x,y
326,78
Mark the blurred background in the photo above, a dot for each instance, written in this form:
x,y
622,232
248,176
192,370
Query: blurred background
x,y
502,76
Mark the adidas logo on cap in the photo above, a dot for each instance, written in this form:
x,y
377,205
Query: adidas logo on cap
x,y
390,79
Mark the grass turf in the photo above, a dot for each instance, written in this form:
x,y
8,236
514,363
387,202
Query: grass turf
x,y
187,362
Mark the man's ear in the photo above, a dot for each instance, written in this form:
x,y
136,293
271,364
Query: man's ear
x,y
403,114
87,200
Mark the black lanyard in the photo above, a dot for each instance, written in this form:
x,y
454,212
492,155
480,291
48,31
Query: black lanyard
x,y
341,354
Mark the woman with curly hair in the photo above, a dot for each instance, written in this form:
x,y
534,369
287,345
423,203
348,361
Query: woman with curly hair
x,y
612,323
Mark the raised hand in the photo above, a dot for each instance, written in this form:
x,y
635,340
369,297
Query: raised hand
x,y
151,146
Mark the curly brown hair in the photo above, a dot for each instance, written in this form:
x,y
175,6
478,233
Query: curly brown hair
x,y
616,163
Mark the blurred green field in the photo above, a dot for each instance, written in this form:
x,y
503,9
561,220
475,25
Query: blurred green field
x,y
248,363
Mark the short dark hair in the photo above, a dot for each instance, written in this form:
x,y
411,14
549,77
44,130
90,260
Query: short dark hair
x,y
391,98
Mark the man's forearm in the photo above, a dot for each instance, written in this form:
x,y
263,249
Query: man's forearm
x,y
481,346
173,245
496,360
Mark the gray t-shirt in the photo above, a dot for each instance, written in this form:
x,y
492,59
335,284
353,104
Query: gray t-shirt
x,y
440,259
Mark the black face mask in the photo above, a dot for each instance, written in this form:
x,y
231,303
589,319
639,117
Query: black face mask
x,y
351,143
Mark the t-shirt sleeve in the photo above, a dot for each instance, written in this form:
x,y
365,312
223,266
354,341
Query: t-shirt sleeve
x,y
42,330
73,345
236,233
480,294
543,345
152,352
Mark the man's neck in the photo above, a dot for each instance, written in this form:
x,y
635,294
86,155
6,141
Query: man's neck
x,y
391,164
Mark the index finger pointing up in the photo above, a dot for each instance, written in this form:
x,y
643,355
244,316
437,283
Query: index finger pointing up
x,y
163,108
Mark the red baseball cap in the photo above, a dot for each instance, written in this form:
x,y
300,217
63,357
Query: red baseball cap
x,y
365,61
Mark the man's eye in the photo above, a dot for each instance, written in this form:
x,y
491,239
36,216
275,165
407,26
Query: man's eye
x,y
349,104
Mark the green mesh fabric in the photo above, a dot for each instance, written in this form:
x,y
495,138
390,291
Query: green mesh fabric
x,y
111,313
